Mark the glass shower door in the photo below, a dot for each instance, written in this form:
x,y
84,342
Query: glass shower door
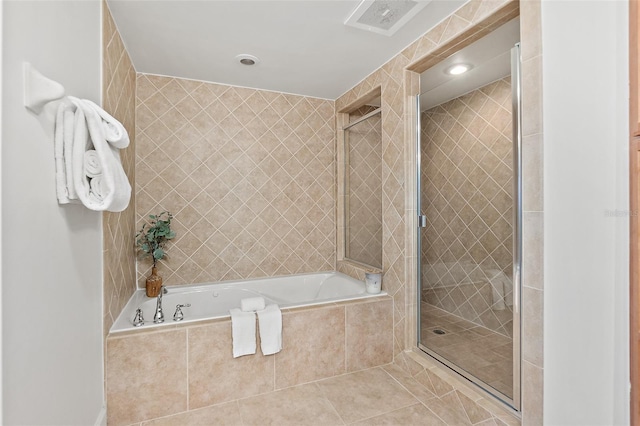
x,y
470,234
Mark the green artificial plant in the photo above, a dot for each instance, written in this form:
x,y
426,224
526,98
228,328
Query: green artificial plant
x,y
151,239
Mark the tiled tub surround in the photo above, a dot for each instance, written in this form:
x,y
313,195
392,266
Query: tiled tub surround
x,y
156,373
467,188
248,175
119,100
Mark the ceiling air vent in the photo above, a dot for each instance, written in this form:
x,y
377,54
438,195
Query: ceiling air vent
x,y
384,16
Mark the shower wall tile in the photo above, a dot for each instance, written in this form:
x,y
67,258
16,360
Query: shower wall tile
x,y
532,236
248,175
118,95
532,339
532,394
467,188
533,223
530,31
532,95
532,173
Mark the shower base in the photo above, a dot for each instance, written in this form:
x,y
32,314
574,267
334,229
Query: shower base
x,y
484,353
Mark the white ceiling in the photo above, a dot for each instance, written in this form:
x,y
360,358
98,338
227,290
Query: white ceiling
x,y
303,46
491,60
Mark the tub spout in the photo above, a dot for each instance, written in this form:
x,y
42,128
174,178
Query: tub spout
x,y
159,316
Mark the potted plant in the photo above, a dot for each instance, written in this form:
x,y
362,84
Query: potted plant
x,y
150,241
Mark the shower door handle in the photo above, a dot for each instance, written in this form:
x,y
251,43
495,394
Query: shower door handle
x,y
422,221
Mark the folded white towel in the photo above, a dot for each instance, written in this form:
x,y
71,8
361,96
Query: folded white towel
x,y
88,134
243,332
252,304
63,148
92,166
69,135
270,320
114,131
58,151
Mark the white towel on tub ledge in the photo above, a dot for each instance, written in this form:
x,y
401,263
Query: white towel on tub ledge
x,y
243,332
270,320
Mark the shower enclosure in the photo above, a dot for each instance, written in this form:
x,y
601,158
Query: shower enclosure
x,y
469,203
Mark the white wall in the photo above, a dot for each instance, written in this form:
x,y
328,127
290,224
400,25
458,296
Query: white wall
x,y
585,77
52,255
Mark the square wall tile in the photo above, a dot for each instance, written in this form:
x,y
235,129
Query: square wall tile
x,y
313,346
215,376
369,334
146,376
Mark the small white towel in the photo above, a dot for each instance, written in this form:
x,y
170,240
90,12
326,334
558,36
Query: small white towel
x,y
92,166
270,320
252,304
243,332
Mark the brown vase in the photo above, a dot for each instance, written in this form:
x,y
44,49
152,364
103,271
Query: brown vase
x,y
154,282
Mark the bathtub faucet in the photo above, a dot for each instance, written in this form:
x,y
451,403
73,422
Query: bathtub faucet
x,y
159,316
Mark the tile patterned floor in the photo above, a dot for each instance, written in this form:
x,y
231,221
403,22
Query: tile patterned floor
x,y
378,396
480,351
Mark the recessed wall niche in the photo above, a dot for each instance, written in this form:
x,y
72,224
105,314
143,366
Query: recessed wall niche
x,y
359,136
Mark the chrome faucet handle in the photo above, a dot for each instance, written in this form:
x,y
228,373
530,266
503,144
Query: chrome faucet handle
x,y
138,320
159,316
178,315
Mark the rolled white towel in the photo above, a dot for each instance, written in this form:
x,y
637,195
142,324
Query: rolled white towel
x,y
252,304
92,166
243,332
270,320
97,188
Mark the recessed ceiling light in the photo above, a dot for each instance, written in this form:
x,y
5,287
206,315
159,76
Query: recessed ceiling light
x,y
246,59
458,69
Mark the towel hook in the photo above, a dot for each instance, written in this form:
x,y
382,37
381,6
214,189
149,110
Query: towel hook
x,y
42,97
39,90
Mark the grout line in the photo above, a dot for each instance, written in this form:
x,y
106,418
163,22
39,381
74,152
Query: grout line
x,y
324,396
237,401
187,355
346,369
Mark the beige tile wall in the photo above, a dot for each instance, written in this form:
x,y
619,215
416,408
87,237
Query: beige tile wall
x,y
398,163
363,232
399,214
248,174
118,98
533,220
155,373
467,196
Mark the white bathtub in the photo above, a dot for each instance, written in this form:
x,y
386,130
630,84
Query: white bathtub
x,y
210,301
